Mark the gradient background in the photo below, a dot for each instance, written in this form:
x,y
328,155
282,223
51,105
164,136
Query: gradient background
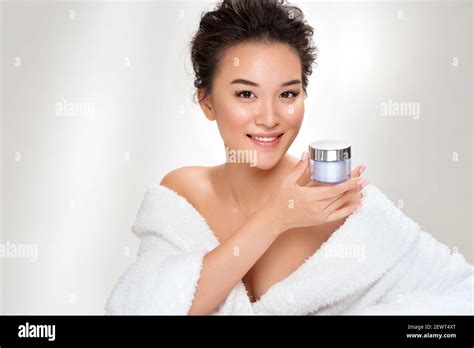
x,y
72,184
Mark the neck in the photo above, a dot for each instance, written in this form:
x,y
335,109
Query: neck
x,y
250,187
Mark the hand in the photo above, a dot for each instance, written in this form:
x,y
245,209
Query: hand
x,y
292,205
354,196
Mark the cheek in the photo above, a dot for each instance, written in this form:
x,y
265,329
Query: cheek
x,y
231,118
294,113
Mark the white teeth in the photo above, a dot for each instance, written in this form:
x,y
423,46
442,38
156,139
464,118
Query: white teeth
x,y
265,139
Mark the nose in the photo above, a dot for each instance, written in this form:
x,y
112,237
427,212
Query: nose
x,y
267,115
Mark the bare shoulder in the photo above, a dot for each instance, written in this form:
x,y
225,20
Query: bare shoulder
x,y
187,181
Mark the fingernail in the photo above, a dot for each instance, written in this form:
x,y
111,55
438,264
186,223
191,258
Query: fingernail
x,y
303,155
360,205
362,168
362,182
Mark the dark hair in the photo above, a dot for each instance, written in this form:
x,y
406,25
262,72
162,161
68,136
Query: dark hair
x,y
239,21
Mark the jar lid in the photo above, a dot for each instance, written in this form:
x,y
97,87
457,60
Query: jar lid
x,y
329,150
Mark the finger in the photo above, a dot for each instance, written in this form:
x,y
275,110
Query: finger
x,y
300,168
347,198
343,212
358,171
325,192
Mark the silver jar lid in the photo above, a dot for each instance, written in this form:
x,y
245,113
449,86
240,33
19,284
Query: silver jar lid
x,y
329,150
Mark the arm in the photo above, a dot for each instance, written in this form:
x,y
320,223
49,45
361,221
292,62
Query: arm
x,y
164,279
223,269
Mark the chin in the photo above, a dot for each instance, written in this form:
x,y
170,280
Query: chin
x,y
268,160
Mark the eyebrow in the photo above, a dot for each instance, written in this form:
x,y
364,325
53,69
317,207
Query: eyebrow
x,y
250,83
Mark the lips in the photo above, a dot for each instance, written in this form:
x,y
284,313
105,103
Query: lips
x,y
266,140
265,137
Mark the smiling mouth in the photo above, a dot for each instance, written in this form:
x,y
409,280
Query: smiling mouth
x,y
264,139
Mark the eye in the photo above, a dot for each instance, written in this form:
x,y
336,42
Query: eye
x,y
294,94
244,94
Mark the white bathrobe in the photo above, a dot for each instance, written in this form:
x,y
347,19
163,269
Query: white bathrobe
x,y
378,262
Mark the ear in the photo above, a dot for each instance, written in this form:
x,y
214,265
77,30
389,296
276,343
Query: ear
x,y
205,104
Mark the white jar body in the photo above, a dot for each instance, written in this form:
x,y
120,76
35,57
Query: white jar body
x,y
331,172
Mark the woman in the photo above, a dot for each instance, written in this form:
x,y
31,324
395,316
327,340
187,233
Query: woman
x,y
261,237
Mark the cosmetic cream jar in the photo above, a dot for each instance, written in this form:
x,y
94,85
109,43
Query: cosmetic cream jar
x,y
330,161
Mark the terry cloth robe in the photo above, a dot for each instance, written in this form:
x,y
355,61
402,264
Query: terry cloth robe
x,y
378,262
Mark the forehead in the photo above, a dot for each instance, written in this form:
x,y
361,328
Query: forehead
x,y
263,63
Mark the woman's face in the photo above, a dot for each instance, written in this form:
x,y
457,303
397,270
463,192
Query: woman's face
x,y
257,91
